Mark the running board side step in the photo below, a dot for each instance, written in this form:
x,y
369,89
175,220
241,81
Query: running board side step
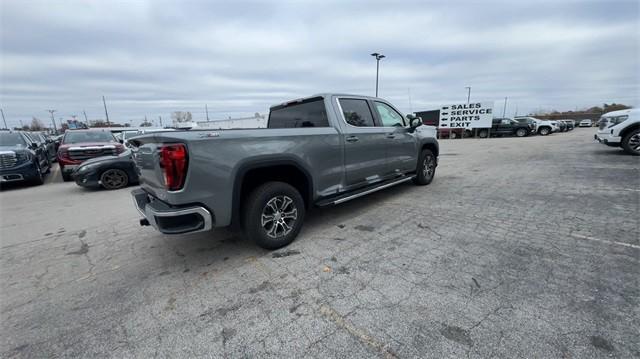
x,y
363,192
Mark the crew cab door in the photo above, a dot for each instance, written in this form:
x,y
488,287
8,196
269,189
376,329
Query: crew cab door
x,y
400,144
505,126
365,158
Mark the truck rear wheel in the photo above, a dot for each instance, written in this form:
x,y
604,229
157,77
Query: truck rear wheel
x,y
273,215
521,132
483,134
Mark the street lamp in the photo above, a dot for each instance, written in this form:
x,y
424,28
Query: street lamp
x,y
378,58
468,94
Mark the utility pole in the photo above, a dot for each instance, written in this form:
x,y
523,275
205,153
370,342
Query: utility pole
x,y
160,117
5,121
206,109
53,120
468,94
85,116
21,125
504,109
378,58
106,113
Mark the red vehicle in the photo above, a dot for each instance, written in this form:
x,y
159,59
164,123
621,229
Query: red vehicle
x,y
452,133
78,146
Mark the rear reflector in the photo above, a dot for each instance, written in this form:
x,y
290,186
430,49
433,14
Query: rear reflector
x,y
173,161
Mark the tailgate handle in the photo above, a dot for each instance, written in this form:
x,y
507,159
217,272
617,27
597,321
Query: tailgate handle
x,y
352,138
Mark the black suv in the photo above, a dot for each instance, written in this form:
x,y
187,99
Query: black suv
x,y
22,158
507,126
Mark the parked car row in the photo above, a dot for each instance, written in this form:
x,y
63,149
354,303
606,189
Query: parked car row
x,y
519,126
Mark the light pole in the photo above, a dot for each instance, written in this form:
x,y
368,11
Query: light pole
x,y
55,129
3,119
504,109
378,58
468,94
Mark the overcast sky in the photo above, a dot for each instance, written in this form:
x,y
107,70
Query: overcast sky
x,y
154,57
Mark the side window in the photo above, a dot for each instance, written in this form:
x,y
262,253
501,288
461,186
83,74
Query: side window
x,y
389,116
306,114
357,112
506,122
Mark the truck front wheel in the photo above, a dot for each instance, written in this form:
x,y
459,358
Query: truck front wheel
x,y
631,142
273,215
426,168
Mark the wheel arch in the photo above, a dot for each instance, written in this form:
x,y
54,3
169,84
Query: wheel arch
x,y
629,129
255,172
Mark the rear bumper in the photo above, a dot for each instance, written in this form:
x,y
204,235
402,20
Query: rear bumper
x,y
169,219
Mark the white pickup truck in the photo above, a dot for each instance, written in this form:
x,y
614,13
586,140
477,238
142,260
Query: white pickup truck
x,y
621,129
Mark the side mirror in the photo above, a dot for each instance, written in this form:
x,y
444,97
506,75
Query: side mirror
x,y
414,121
33,146
121,140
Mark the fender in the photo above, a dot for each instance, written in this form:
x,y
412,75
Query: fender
x,y
261,162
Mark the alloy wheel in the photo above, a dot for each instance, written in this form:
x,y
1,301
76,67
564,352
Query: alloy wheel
x,y
428,167
279,216
114,179
634,142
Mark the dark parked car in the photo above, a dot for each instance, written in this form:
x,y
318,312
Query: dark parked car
x,y
563,126
110,172
453,133
47,142
78,146
508,127
22,159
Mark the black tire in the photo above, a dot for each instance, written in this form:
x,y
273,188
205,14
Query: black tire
x,y
544,131
521,132
271,200
631,142
39,179
453,135
483,134
114,178
426,169
66,177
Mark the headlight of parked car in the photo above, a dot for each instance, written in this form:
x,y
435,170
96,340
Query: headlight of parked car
x,y
87,168
616,120
22,156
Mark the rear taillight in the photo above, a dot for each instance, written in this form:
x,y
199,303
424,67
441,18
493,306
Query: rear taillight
x,y
173,161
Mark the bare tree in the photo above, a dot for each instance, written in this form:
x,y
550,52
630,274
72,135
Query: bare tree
x,y
36,125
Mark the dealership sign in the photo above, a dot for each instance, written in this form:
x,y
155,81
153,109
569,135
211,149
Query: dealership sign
x,y
466,115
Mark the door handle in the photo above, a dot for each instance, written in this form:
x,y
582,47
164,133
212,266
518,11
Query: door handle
x,y
352,138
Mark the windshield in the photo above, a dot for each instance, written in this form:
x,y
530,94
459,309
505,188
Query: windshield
x,y
11,139
88,136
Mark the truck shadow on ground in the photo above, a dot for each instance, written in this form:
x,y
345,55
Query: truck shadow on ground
x,y
225,245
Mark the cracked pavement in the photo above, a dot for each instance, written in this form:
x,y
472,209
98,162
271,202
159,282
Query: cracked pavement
x,y
521,247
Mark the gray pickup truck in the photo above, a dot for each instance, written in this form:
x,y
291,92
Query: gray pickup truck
x,y
317,151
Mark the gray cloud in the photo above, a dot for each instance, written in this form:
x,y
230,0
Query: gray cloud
x,y
152,58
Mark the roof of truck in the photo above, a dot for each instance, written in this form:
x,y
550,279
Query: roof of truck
x,y
324,95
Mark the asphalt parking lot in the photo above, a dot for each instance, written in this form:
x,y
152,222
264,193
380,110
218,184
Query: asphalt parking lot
x,y
521,247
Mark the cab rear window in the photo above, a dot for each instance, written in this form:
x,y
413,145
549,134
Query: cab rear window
x,y
308,113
